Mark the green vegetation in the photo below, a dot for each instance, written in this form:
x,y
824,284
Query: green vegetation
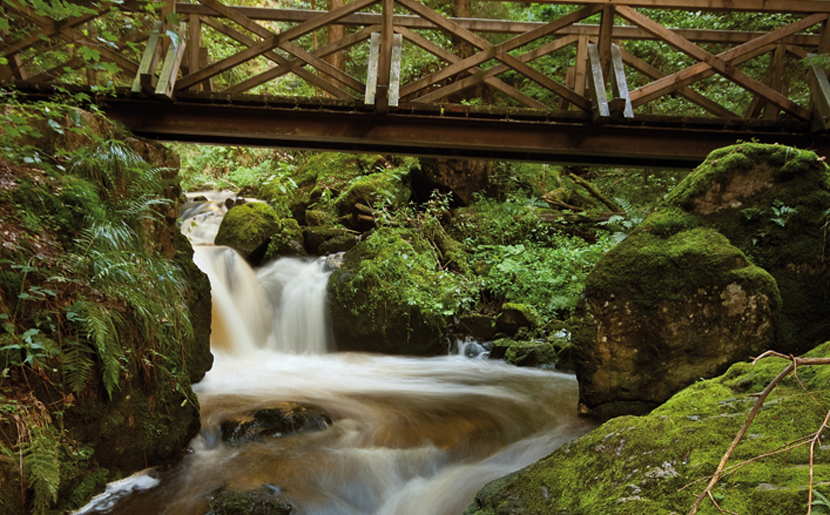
x,y
86,230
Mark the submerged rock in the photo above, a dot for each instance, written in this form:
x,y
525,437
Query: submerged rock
x,y
284,419
657,464
262,501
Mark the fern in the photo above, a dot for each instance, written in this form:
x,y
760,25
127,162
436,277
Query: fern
x,y
77,366
98,323
42,467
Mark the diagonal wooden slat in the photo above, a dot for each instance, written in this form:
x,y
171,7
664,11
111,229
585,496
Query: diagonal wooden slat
x,y
721,66
283,65
489,52
477,75
272,41
688,93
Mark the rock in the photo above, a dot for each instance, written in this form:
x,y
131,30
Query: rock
x,y
525,353
461,177
637,465
388,297
248,229
660,312
478,326
321,241
514,316
771,202
258,233
262,501
285,419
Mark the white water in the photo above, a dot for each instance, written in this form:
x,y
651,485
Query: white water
x,y
410,436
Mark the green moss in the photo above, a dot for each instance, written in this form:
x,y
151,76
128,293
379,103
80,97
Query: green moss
x,y
634,465
248,227
390,296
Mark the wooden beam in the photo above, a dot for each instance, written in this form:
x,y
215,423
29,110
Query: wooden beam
x,y
145,76
721,66
619,85
395,71
194,46
776,76
170,68
765,6
606,28
372,71
597,85
385,57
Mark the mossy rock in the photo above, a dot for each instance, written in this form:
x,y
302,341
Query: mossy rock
x,y
515,316
539,354
660,313
771,202
389,297
258,233
658,463
477,325
264,500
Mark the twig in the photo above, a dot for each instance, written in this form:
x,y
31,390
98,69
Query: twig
x,y
755,409
813,443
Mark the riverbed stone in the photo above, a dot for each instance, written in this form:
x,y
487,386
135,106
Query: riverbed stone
x,y
284,419
264,500
660,312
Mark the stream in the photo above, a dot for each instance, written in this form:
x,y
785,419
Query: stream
x,y
407,435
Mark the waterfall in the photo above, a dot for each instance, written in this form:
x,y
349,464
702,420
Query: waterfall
x,y
403,435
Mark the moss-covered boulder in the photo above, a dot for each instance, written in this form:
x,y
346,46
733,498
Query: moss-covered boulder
x,y
525,353
657,464
286,418
515,316
264,500
662,311
391,296
771,201
258,233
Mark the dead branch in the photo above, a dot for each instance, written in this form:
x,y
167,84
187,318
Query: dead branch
x,y
595,193
796,362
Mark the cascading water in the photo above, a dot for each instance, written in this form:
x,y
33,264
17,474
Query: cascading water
x,y
407,435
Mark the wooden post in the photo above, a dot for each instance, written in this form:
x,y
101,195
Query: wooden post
x,y
170,68
384,59
776,76
145,79
621,105
167,10
597,82
581,65
606,28
194,45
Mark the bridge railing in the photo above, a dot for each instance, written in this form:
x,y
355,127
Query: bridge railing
x,y
587,60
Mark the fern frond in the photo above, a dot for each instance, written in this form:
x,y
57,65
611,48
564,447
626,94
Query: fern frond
x,y
77,366
42,467
100,330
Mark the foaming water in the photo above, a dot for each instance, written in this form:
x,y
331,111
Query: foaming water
x,y
408,436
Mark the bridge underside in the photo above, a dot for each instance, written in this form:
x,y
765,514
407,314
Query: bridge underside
x,y
449,130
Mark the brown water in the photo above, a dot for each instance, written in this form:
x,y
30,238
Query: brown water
x,y
409,435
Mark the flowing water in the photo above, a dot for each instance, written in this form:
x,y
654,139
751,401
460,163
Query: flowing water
x,y
408,435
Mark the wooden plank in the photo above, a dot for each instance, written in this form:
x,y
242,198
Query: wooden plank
x,y
718,64
395,72
619,85
284,65
479,25
820,94
372,72
581,65
570,74
766,6
204,61
691,95
170,68
385,57
490,52
599,104
477,75
149,61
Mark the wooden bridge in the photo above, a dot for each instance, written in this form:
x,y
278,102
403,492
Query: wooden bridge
x,y
609,82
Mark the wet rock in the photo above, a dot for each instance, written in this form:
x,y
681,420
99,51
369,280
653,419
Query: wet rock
x,y
321,241
262,501
659,313
285,419
525,353
249,228
515,316
478,326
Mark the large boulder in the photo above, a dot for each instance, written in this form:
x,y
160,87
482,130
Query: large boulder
x,y
658,463
729,265
661,311
462,177
772,202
